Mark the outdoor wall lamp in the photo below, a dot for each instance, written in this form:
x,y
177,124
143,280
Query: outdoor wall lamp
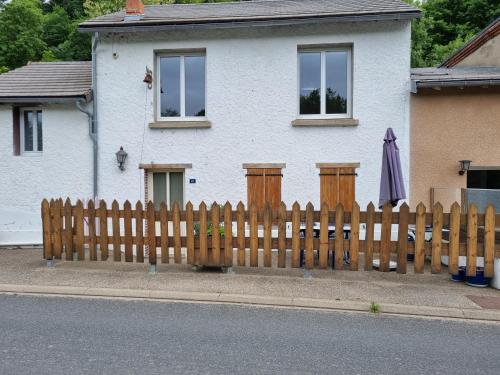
x,y
464,166
148,78
121,155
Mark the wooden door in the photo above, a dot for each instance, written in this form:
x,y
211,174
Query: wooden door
x,y
337,185
264,185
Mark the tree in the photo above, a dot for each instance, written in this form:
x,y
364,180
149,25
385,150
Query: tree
x,y
73,8
20,33
56,27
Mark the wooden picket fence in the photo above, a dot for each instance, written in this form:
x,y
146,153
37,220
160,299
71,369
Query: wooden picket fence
x,y
75,230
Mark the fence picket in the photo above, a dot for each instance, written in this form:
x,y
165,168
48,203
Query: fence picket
x,y
254,240
92,230
454,239
117,251
55,212
369,236
420,239
228,235
139,232
203,235
215,252
471,262
354,240
404,211
151,232
296,235
177,233
127,225
282,236
79,230
189,234
103,230
47,231
339,236
437,237
68,230
240,219
385,238
489,241
309,248
323,236
267,235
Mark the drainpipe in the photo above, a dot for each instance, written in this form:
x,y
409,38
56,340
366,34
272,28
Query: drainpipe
x,y
92,113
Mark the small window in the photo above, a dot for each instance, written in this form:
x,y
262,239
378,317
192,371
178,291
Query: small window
x,y
31,131
483,179
182,88
325,83
168,187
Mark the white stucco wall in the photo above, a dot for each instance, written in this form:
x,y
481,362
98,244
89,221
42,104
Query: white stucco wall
x,y
251,102
64,169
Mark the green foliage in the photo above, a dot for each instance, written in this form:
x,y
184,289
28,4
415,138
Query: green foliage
x,y
56,27
374,308
446,26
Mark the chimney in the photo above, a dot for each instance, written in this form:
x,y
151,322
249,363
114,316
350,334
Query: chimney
x,y
134,10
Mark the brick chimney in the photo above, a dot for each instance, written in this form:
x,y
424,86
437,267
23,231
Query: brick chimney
x,y
135,8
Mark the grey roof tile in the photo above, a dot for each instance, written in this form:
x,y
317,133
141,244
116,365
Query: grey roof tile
x,y
47,80
175,14
470,76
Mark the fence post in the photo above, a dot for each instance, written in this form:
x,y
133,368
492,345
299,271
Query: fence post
x,y
79,239
151,236
339,236
437,234
471,240
309,248
203,234
296,235
215,252
369,236
103,230
68,230
117,251
189,233
228,237
282,236
177,233
354,240
489,241
267,235
323,236
56,225
453,249
240,218
420,239
385,238
92,230
139,232
127,226
403,238
47,233
254,240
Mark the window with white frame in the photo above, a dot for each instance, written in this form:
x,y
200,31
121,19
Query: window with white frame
x,y
168,187
325,83
31,130
182,86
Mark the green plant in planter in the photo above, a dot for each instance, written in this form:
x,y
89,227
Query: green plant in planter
x,y
210,228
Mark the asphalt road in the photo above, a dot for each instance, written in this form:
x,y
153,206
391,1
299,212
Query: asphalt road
x,y
43,335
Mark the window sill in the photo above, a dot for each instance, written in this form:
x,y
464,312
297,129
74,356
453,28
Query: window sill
x,y
180,125
326,122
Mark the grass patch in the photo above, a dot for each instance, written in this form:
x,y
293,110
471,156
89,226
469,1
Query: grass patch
x,y
374,308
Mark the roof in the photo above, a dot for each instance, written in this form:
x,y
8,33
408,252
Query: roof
x,y
489,32
248,13
454,77
46,81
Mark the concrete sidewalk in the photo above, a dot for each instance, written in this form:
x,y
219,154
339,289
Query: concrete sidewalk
x,y
24,271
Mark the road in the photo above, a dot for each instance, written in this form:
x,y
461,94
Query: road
x,y
54,335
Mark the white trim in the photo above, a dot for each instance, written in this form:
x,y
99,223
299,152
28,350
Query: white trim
x,y
182,86
323,114
35,131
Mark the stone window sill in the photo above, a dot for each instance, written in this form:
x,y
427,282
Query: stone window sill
x,y
180,125
326,122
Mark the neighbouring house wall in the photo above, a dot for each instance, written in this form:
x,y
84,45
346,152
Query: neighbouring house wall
x,y
448,126
64,169
487,55
251,102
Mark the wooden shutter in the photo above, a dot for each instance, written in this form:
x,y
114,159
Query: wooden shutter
x,y
264,185
16,130
338,185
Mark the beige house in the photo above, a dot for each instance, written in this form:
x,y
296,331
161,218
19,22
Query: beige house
x,y
455,118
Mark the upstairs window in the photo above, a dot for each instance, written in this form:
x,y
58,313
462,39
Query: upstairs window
x,y
31,131
325,83
182,88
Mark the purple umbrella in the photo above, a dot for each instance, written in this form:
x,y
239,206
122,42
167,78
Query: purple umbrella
x,y
392,187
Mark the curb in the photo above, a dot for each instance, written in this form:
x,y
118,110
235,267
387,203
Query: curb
x,y
310,303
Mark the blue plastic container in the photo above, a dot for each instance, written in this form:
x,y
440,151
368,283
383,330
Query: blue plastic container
x,y
478,281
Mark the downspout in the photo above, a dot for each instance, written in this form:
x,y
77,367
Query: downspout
x,y
92,113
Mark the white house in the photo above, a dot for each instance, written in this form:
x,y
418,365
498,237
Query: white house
x,y
254,101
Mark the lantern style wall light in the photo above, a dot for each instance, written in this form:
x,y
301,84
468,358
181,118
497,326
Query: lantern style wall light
x,y
148,78
464,166
121,156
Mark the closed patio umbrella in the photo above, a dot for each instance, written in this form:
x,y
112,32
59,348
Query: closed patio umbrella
x,y
392,188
